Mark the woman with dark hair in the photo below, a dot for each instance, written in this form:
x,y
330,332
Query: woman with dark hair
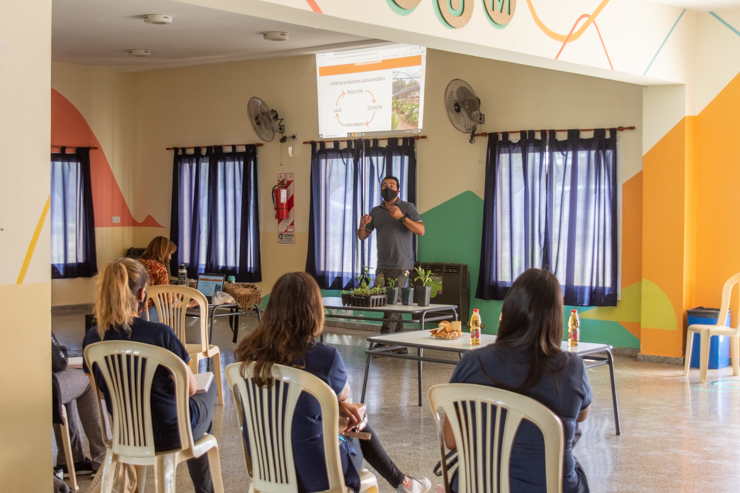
x,y
526,358
294,317
120,294
156,257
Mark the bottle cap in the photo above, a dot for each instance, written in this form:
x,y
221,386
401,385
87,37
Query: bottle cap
x,y
475,310
574,311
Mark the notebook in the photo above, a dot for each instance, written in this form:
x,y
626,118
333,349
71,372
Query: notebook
x,y
209,284
204,381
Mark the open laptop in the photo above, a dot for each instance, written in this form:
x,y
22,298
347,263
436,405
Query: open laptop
x,y
208,284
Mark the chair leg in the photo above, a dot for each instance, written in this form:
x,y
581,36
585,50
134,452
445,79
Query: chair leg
x,y
214,464
735,354
140,478
164,473
64,429
689,350
704,360
217,374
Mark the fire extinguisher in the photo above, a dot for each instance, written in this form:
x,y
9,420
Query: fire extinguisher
x,y
280,199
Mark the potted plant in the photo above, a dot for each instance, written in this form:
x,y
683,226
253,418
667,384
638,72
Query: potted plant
x,y
407,293
392,290
423,293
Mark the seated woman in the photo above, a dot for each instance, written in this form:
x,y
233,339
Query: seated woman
x,y
526,358
155,258
294,317
120,295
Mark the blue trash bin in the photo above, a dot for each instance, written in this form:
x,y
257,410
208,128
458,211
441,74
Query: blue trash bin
x,y
719,346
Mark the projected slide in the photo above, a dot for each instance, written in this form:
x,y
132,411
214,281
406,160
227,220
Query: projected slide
x,y
371,91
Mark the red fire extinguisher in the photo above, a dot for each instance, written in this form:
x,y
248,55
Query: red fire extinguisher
x,y
280,199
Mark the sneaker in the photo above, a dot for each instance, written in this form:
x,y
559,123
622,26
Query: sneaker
x,y
58,473
422,485
82,468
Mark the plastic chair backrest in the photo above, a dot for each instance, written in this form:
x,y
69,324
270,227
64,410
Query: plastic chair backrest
x,y
128,370
171,303
726,300
268,413
480,428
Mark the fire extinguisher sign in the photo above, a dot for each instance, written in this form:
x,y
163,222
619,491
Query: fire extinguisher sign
x,y
284,209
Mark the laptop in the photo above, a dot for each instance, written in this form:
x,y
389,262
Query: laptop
x,y
208,284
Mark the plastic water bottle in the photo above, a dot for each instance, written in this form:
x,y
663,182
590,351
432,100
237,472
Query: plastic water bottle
x,y
182,275
475,323
574,329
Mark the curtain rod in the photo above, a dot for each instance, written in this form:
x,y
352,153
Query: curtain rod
x,y
486,134
416,137
75,147
258,144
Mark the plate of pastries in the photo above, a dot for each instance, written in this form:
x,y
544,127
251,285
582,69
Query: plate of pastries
x,y
448,330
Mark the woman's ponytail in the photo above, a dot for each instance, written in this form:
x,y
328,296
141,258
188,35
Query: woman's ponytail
x,y
115,298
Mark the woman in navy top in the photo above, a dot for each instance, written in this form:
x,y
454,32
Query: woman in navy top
x,y
120,296
526,358
294,317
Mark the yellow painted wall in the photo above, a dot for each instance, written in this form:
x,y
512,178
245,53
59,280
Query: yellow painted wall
x,y
25,284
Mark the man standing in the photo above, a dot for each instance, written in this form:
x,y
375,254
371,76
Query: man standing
x,y
396,222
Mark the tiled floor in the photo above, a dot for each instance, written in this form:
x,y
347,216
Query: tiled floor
x,y
677,435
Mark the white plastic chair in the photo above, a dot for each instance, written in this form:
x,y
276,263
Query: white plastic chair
x,y
464,404
269,417
128,369
720,329
171,303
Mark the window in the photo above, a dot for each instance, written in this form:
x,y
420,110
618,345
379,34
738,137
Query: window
x,y
345,184
215,216
73,251
552,204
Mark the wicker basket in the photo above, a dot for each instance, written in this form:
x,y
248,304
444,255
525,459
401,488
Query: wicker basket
x,y
247,295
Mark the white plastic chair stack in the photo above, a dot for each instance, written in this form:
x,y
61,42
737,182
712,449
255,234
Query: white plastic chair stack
x,y
128,369
475,413
720,329
171,303
268,413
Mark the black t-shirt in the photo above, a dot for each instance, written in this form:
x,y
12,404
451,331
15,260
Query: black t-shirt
x,y
163,407
566,394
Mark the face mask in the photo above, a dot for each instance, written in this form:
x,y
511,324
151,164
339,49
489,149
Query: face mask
x,y
388,194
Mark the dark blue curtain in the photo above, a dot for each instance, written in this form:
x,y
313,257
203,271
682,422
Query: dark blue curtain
x,y
215,213
553,205
514,214
345,184
582,198
73,252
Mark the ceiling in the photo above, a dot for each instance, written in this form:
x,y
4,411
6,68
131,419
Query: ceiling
x,y
94,32
702,5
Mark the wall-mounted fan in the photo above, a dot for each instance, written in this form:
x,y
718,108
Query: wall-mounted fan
x,y
265,121
463,107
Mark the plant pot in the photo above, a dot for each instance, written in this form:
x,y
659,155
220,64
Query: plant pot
x,y
346,299
422,295
392,294
407,296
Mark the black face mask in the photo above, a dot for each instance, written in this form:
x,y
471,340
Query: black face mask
x,y
388,194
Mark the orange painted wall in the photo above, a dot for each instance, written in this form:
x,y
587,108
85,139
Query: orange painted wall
x,y
663,235
68,127
718,194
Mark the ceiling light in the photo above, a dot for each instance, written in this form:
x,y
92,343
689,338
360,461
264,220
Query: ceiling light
x,y
139,53
275,36
158,19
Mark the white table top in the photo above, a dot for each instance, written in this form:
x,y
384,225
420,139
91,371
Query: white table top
x,y
424,340
336,304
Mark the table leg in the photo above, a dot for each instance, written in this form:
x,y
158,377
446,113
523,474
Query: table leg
x,y
234,323
210,337
367,371
420,353
610,359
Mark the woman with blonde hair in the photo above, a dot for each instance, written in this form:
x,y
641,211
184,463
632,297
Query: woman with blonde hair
x,y
294,317
120,294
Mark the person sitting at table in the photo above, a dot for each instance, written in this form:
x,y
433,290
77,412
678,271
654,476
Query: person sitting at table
x,y
120,294
155,258
294,317
526,359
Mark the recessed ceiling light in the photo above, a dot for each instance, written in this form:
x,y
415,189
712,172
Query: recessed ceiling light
x,y
158,19
139,53
275,36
